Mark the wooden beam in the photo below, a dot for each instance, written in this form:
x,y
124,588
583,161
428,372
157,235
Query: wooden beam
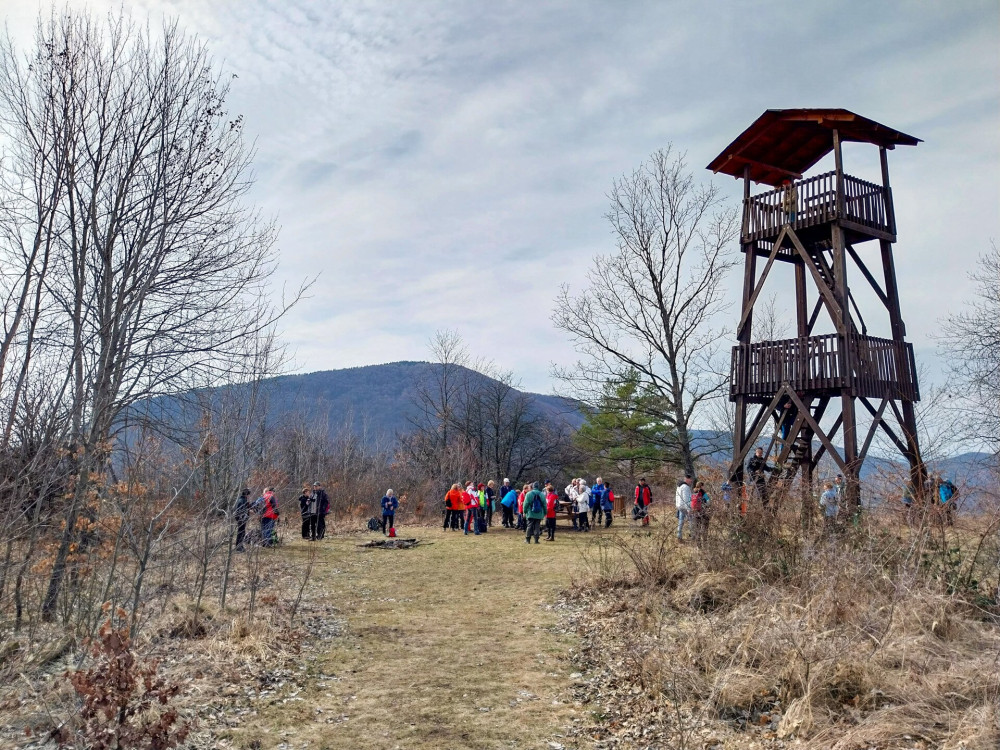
x,y
867,274
872,430
817,429
824,289
885,426
759,285
814,316
763,165
741,454
801,298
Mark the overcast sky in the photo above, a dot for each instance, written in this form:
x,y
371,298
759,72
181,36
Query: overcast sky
x,y
446,164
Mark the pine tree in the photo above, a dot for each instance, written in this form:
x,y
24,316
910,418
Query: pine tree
x,y
623,435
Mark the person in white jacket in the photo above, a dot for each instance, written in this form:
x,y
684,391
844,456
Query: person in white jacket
x,y
682,498
583,506
571,494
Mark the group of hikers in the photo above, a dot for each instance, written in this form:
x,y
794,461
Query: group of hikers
x,y
314,505
472,508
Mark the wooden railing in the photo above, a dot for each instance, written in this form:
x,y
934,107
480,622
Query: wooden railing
x,y
815,202
816,364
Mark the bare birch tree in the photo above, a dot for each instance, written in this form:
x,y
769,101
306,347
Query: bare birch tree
x,y
649,305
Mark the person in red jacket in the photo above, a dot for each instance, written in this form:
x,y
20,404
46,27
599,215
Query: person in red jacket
x,y
551,503
452,502
643,499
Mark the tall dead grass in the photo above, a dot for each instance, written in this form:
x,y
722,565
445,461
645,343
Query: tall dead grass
x,y
872,636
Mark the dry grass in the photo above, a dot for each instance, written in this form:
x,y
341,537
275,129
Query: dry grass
x,y
831,642
452,644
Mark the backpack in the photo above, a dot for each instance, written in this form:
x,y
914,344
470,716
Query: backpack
x,y
374,524
537,506
696,501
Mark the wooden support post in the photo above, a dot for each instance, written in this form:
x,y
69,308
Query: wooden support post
x,y
890,211
801,298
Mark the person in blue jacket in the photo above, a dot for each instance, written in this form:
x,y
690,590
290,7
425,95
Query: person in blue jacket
x,y
597,494
507,503
389,505
607,504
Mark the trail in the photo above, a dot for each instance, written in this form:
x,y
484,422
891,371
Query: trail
x,y
452,644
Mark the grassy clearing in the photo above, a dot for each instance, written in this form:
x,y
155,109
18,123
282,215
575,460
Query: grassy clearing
x,y
452,644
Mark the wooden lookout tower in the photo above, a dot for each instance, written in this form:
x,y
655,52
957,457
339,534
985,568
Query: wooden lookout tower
x,y
805,394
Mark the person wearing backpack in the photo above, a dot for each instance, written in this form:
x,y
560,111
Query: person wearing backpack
x,y
507,503
451,500
522,523
682,499
948,496
551,508
389,505
597,493
571,492
643,499
608,504
534,512
699,512
267,506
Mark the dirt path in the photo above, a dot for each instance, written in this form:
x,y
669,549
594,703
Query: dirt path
x,y
452,644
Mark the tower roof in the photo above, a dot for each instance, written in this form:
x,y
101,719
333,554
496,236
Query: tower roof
x,y
784,143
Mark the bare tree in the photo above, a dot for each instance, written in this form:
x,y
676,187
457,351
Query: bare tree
x,y
971,339
131,225
649,305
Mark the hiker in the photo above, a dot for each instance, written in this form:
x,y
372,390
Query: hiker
x,y
491,500
597,493
948,496
389,504
322,508
471,500
571,493
699,512
551,507
682,499
534,512
643,499
307,520
727,494
481,508
583,506
608,504
241,515
521,523
452,498
789,201
756,467
829,501
267,506
507,503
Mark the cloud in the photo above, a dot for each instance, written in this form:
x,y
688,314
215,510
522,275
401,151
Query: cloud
x,y
446,164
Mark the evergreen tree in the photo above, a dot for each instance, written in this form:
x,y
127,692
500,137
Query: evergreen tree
x,y
623,435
